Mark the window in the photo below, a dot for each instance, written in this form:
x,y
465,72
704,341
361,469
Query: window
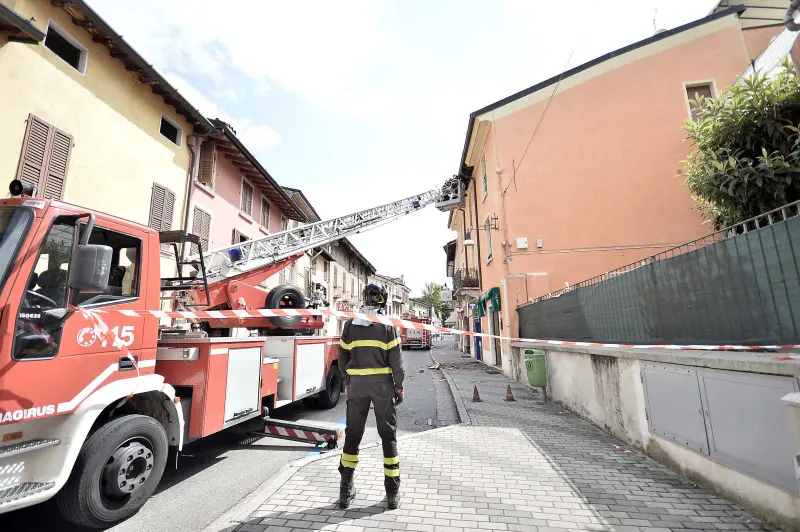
x,y
487,225
171,130
47,285
123,281
201,226
484,179
694,92
66,47
265,214
352,287
246,205
325,270
238,237
207,171
45,158
284,224
162,205
46,290
335,277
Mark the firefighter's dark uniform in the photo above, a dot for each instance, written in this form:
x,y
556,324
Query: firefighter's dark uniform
x,y
370,358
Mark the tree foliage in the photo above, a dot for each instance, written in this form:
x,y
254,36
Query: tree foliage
x,y
432,296
747,159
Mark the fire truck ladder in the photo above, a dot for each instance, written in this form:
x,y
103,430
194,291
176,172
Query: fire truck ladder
x,y
247,256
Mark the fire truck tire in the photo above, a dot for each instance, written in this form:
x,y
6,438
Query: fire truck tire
x,y
285,296
329,397
125,451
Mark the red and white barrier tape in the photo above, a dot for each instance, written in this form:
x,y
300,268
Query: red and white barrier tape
x,y
206,315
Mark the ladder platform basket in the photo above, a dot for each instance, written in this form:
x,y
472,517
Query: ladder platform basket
x,y
452,195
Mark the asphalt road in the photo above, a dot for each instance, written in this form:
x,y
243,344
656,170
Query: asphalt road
x,y
215,473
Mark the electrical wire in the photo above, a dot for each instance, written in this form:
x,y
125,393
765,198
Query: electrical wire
x,y
544,113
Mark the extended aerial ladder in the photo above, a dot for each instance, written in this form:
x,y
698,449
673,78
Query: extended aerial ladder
x,y
227,278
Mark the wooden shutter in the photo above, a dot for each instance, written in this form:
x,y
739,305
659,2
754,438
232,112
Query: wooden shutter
x,y
201,226
162,207
208,163
45,158
55,176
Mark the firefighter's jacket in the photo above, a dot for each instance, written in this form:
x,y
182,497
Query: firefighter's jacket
x,y
370,354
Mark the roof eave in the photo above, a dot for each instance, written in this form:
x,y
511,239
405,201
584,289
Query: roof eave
x,y
102,33
25,31
294,213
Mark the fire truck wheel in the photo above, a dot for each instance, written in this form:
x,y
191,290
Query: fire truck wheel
x,y
329,397
283,297
117,470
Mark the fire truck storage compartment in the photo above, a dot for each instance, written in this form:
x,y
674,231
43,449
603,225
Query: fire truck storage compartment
x,y
224,375
243,389
310,367
301,367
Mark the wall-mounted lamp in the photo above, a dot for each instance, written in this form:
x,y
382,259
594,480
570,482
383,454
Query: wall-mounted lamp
x,y
468,239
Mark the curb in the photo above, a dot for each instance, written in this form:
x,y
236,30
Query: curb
x,y
463,414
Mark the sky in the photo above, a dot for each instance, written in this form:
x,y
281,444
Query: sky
x,y
362,102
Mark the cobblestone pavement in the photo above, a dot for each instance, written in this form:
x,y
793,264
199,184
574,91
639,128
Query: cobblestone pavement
x,y
524,465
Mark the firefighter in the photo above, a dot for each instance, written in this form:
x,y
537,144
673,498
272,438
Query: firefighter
x,y
369,356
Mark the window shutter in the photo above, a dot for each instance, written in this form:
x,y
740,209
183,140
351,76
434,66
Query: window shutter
x,y
205,231
157,207
35,146
208,163
45,158
57,165
169,208
201,227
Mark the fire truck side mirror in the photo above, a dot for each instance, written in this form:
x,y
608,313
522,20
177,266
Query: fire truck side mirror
x,y
91,268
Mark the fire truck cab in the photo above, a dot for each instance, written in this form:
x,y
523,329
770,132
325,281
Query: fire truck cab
x,y
90,420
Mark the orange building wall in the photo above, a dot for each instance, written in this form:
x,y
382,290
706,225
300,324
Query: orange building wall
x,y
601,172
758,39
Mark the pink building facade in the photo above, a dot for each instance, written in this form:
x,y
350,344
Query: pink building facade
x,y
234,198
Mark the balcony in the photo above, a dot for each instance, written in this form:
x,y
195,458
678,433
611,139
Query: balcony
x,y
466,278
451,196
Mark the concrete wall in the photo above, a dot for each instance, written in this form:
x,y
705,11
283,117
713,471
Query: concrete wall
x,y
604,386
118,151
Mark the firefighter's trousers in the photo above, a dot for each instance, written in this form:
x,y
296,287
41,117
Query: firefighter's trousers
x,y
361,393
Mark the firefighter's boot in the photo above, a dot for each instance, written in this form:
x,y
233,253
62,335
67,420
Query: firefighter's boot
x,y
393,499
347,491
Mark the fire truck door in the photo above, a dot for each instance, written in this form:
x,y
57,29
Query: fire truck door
x,y
78,361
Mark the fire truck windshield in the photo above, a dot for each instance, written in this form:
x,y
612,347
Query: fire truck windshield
x,y
14,225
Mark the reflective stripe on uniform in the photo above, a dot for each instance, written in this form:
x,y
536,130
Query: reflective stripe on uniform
x,y
391,472
349,460
369,371
370,343
391,461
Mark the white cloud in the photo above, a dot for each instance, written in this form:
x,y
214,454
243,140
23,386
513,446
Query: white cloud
x,y
257,137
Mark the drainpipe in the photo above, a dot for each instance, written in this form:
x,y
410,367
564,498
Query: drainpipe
x,y
193,143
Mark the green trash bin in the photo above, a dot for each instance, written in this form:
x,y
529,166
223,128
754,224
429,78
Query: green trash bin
x,y
534,365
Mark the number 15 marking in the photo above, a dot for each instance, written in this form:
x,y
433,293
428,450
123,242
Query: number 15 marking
x,y
125,336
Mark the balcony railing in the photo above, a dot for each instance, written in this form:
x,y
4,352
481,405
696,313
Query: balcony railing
x,y
466,278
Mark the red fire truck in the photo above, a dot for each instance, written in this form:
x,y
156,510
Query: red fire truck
x,y
90,420
415,338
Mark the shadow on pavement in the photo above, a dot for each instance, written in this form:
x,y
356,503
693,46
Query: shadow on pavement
x,y
313,518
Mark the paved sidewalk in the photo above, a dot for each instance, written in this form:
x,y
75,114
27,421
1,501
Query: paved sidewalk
x,y
524,466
